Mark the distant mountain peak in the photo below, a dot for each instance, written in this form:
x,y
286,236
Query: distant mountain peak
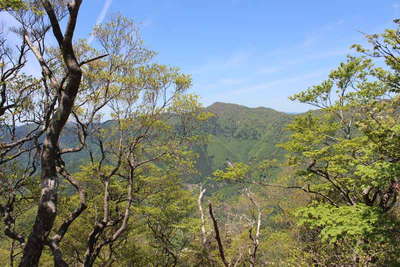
x,y
224,104
220,108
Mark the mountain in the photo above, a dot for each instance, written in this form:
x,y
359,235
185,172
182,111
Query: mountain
x,y
239,133
235,133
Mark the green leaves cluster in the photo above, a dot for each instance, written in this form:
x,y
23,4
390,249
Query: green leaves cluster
x,y
11,4
346,153
354,222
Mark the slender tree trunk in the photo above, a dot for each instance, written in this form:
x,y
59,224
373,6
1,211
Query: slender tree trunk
x,y
218,237
255,239
11,255
203,222
47,207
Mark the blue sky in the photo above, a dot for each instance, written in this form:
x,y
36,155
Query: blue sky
x,y
250,52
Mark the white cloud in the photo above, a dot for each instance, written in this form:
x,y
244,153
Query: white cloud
x,y
257,78
273,94
101,16
269,70
313,37
223,83
235,60
147,22
103,11
279,83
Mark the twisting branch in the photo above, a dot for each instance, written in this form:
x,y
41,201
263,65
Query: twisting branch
x,y
326,176
306,188
217,236
6,213
62,230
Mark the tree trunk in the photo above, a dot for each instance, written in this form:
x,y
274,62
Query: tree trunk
x,y
47,208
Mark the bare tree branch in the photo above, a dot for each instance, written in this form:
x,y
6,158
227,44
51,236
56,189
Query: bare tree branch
x,y
217,236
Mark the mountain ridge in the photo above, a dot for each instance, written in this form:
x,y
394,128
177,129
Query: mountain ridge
x,y
235,133
240,133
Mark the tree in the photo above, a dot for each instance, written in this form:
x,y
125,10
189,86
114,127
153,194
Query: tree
x,y
347,152
11,4
245,177
60,92
79,87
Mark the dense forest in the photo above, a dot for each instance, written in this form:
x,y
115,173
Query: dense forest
x,y
106,159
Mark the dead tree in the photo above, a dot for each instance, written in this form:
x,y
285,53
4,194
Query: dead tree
x,y
254,238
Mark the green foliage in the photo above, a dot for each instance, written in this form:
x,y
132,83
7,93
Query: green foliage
x,y
11,4
233,173
243,134
334,202
352,222
346,155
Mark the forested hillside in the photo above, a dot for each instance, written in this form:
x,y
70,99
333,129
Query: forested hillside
x,y
239,133
106,159
233,133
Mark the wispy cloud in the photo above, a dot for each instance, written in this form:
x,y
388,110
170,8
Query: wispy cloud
x,y
267,77
236,59
223,83
273,93
313,37
279,83
147,22
265,71
100,18
103,11
269,70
